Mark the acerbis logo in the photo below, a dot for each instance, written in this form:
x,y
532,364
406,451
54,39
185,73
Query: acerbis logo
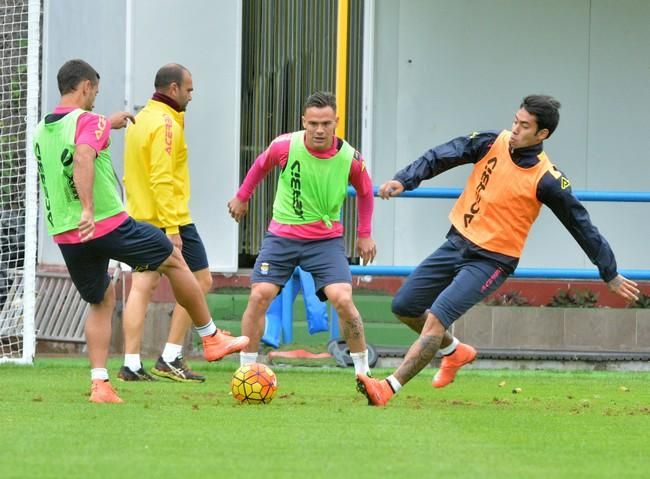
x,y
485,178
41,175
296,202
168,134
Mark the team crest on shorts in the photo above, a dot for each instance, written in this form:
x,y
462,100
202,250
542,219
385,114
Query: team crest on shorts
x,y
264,268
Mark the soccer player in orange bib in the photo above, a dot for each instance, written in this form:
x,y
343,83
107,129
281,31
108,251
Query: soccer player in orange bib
x,y
511,179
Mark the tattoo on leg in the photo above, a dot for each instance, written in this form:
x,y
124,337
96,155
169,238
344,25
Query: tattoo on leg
x,y
418,356
353,329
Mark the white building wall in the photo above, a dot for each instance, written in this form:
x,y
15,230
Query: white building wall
x,y
444,69
204,36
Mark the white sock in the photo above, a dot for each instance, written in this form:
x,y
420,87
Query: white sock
x,y
207,329
171,352
133,362
99,373
451,348
360,361
247,358
394,383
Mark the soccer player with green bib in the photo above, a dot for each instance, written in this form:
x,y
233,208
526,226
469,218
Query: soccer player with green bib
x,y
306,230
85,216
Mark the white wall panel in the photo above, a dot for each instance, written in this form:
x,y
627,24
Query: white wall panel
x,y
204,36
461,66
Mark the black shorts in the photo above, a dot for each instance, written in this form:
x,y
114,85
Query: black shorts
x,y
193,249
142,246
324,259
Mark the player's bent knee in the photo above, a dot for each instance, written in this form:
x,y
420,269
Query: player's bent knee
x,y
174,261
342,302
339,294
145,282
262,295
204,277
400,306
433,326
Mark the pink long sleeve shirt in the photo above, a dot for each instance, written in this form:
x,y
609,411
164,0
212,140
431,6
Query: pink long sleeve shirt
x,y
276,155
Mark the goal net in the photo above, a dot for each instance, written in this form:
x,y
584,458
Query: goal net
x,y
19,90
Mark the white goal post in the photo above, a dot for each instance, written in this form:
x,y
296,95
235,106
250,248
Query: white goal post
x,y
19,100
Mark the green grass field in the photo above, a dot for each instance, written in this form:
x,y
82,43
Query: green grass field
x,y
561,425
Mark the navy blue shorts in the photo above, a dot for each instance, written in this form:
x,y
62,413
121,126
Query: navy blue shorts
x,y
324,259
193,249
140,245
448,282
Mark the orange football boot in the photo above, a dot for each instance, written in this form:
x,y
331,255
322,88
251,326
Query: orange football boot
x,y
377,392
221,344
450,364
101,391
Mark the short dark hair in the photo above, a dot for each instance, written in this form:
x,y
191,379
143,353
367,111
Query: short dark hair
x,y
545,108
320,99
74,72
168,74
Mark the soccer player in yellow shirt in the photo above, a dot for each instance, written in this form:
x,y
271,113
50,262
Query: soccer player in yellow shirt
x,y
157,184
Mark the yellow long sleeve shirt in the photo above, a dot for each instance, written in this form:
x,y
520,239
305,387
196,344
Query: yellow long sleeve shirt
x,y
156,174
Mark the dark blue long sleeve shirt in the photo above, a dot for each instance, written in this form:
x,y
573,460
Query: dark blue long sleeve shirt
x,y
552,190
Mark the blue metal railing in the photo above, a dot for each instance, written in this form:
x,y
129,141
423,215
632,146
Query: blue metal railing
x,y
582,195
547,273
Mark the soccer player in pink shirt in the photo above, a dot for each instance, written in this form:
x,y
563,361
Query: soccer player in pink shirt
x,y
306,230
85,215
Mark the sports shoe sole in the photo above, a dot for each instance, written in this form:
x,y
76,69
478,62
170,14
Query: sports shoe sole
x,y
139,380
173,377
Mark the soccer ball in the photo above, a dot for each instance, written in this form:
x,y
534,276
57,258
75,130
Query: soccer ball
x,y
254,384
